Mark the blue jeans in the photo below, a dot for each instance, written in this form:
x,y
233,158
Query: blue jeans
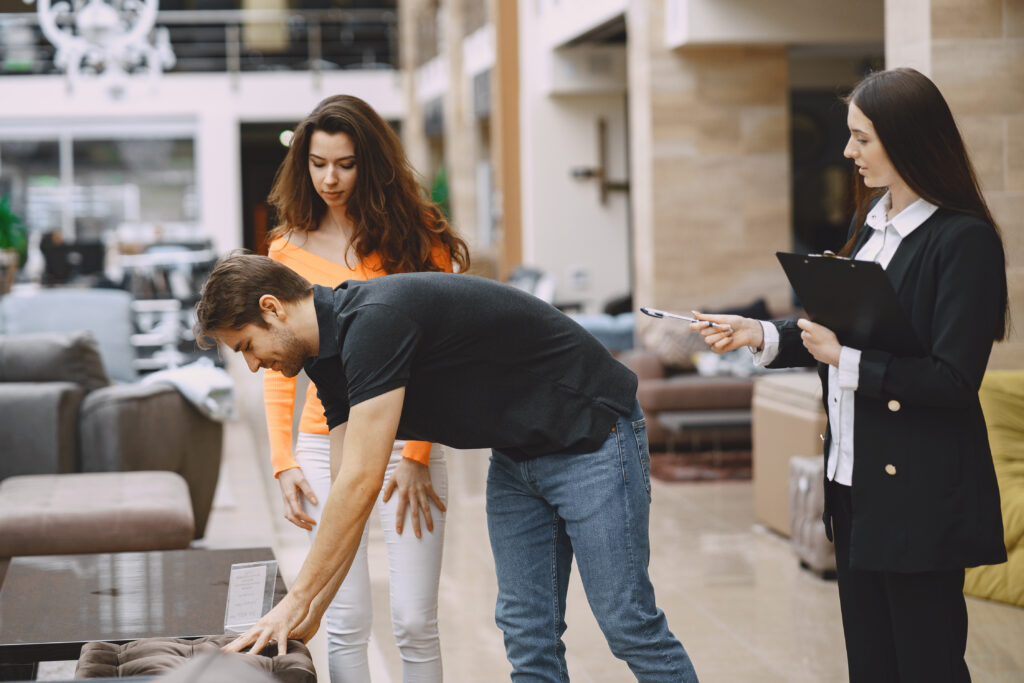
x,y
595,506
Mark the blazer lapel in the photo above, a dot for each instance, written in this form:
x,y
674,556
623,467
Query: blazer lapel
x,y
906,252
862,238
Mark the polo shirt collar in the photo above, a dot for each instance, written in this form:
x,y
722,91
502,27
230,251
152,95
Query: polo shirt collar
x,y
327,319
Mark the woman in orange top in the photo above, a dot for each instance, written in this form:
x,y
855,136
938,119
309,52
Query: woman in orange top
x,y
349,207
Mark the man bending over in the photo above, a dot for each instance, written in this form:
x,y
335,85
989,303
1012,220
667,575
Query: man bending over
x,y
469,363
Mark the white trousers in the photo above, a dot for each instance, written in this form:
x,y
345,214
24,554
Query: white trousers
x,y
414,566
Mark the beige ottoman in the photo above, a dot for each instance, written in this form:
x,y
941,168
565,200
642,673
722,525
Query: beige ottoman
x,y
151,656
788,418
101,512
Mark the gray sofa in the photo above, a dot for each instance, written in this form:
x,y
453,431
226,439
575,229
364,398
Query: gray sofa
x,y
59,412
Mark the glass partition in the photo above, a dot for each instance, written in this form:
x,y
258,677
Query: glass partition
x,y
30,176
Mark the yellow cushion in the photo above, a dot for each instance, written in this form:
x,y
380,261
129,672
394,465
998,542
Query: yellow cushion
x,y
1002,399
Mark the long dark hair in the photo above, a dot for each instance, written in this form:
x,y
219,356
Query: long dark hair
x,y
917,131
390,211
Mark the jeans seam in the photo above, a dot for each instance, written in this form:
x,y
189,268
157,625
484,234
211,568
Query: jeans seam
x,y
622,459
645,471
649,627
556,638
630,528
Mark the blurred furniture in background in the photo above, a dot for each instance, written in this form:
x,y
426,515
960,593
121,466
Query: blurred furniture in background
x,y
692,397
161,320
168,271
165,281
8,269
67,261
614,331
95,512
704,411
788,420
59,412
806,507
1002,399
104,312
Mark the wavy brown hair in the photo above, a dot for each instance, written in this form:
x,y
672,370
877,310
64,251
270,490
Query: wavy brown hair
x,y
390,211
920,136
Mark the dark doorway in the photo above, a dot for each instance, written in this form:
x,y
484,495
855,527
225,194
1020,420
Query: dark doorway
x,y
822,177
262,153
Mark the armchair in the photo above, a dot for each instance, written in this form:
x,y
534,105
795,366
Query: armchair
x,y
60,413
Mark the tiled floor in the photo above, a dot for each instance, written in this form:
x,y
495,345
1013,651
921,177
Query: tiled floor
x,y
732,591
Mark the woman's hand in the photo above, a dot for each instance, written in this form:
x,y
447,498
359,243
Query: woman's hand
x,y
415,491
294,486
820,341
739,331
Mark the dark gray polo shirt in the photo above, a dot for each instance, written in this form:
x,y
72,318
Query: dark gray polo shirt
x,y
484,365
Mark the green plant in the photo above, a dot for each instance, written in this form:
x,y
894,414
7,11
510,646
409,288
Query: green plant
x,y
439,192
13,233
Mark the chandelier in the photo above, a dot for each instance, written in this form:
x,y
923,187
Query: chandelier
x,y
110,40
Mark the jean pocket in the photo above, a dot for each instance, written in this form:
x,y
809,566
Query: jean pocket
x,y
643,452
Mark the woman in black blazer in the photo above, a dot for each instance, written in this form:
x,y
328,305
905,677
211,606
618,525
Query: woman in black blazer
x,y
911,495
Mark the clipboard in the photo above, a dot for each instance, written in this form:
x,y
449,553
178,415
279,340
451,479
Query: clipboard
x,y
854,299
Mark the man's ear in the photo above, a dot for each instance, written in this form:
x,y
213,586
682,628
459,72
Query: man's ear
x,y
271,307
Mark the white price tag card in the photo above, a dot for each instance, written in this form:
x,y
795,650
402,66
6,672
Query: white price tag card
x,y
250,594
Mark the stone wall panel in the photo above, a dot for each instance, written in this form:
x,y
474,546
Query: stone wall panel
x,y
1015,154
985,138
980,76
967,19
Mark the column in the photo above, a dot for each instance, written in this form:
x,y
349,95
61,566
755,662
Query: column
x,y
709,169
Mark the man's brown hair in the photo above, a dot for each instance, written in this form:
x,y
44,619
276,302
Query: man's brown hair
x,y
230,299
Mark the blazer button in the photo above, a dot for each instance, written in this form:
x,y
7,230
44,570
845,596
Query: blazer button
x,y
894,405
890,470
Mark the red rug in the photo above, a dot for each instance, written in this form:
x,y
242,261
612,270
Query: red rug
x,y
701,465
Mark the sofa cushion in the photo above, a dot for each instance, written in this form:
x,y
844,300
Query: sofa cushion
x,y
695,392
644,363
101,512
52,357
158,655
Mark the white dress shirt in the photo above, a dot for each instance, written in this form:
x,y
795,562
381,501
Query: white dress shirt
x,y
842,381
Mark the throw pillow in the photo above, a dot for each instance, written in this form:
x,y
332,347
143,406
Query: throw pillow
x,y
52,357
677,347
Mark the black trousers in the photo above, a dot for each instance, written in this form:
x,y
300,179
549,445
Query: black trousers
x,y
899,627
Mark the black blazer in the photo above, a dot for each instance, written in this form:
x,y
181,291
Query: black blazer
x,y
924,490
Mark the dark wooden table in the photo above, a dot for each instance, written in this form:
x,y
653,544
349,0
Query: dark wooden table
x,y
51,605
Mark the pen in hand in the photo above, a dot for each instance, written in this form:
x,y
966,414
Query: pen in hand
x,y
655,313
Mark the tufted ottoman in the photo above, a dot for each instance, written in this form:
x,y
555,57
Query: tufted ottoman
x,y
99,512
151,656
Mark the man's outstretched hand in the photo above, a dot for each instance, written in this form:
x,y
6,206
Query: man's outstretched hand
x,y
289,619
